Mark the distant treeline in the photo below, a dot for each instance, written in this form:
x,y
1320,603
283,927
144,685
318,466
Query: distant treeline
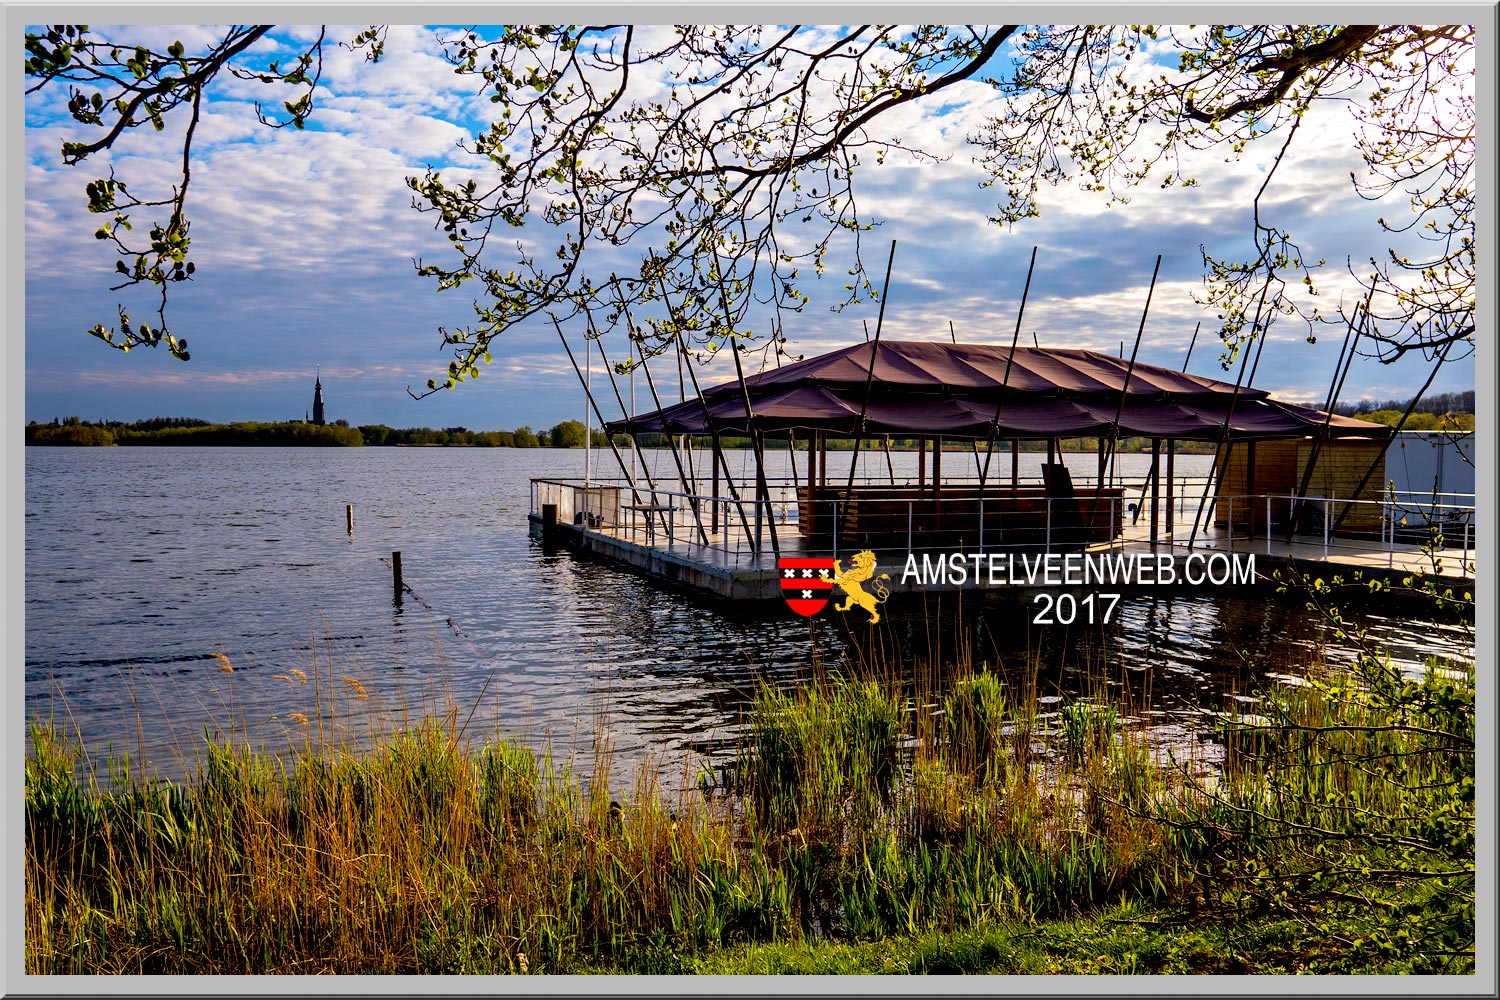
x,y
184,431
1436,404
296,433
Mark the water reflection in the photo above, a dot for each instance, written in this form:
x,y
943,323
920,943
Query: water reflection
x,y
500,636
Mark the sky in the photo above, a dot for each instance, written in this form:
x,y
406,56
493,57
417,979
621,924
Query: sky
x,y
305,242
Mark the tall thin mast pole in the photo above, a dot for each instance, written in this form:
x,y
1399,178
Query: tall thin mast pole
x,y
579,372
708,422
763,491
989,449
1349,505
1114,427
671,439
1335,387
859,429
1196,327
624,412
588,426
1222,448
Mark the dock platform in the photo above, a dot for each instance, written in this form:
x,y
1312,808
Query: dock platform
x,y
719,556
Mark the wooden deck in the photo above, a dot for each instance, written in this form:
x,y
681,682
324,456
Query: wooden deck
x,y
725,563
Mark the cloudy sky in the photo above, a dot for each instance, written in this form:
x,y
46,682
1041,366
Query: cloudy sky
x,y
305,240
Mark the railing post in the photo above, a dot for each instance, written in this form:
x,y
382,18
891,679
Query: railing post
x,y
1049,525
835,528
1390,518
908,528
981,527
1327,512
1268,524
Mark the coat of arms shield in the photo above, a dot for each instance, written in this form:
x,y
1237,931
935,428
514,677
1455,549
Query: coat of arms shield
x,y
804,583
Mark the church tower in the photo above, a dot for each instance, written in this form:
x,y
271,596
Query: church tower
x,y
317,416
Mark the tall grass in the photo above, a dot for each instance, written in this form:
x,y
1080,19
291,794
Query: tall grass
x,y
855,813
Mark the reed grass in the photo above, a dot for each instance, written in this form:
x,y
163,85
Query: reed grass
x,y
862,808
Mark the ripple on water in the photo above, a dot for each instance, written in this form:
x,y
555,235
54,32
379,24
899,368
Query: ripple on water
x,y
561,651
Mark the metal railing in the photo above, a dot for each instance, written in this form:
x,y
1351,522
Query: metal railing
x,y
742,524
1393,522
732,528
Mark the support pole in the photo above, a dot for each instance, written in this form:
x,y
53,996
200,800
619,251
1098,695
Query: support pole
x,y
628,477
989,448
1335,387
1354,496
1155,487
1191,343
1222,449
671,438
629,416
864,406
1114,427
588,425
708,423
718,450
1171,489
762,490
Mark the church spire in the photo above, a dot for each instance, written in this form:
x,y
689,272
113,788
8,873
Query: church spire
x,y
317,414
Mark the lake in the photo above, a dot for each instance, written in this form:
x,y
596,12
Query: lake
x,y
176,591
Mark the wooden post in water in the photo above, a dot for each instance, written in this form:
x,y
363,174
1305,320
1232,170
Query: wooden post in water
x,y
396,556
349,518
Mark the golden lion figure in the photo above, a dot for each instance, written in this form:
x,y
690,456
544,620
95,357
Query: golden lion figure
x,y
852,579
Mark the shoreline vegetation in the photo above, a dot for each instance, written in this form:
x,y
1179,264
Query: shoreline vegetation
x,y
188,431
876,819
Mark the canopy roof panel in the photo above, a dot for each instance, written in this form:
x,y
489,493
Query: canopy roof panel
x,y
965,390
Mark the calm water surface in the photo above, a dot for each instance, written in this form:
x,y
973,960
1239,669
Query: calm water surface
x,y
147,568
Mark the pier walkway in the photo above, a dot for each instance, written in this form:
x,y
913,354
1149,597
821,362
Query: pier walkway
x,y
708,544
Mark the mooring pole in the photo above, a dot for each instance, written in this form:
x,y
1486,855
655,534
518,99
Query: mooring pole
x,y
1171,490
714,467
349,518
1155,487
396,571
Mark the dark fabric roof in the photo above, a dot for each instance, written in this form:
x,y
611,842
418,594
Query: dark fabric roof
x,y
953,390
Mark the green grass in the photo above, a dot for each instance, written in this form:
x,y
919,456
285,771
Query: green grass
x,y
859,835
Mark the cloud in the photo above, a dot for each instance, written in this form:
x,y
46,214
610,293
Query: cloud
x,y
305,242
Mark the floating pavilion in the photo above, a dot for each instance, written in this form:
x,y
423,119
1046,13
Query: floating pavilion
x,y
1279,469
